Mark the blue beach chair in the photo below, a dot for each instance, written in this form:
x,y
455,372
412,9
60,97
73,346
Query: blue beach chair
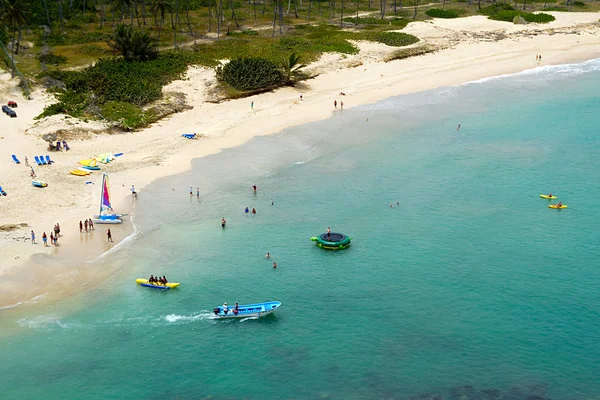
x,y
189,135
48,160
15,159
37,160
43,162
2,192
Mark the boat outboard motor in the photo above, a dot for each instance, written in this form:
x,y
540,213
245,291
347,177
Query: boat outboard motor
x,y
217,310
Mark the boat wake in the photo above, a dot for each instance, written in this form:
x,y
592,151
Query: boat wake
x,y
174,318
44,322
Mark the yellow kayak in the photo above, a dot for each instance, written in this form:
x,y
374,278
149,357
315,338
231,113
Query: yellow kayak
x,y
78,172
170,285
545,196
555,206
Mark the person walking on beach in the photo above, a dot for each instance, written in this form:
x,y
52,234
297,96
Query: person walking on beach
x,y
252,105
197,193
342,105
91,224
300,96
45,239
109,236
133,192
32,237
223,222
55,240
26,161
52,238
85,224
335,103
191,191
80,227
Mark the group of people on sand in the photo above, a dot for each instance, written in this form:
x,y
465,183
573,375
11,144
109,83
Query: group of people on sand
x,y
158,280
88,225
53,236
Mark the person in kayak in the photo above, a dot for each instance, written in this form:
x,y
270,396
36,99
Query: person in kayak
x,y
550,195
559,205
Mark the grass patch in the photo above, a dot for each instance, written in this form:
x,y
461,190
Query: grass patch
x,y
439,13
129,116
52,59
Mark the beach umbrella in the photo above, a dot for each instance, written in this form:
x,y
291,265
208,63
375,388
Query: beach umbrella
x,y
49,137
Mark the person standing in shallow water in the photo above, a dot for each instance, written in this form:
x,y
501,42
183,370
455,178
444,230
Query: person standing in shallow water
x,y
80,226
335,103
223,222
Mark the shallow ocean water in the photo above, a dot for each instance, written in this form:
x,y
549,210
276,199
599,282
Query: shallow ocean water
x,y
470,288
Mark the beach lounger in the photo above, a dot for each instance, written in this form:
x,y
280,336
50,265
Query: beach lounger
x,y
42,160
2,192
48,160
15,159
37,160
189,135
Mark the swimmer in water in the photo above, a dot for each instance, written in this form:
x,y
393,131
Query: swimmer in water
x,y
272,203
268,255
458,127
223,222
397,203
391,206
253,210
274,264
246,210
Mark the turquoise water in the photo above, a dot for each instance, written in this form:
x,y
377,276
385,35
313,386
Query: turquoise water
x,y
471,288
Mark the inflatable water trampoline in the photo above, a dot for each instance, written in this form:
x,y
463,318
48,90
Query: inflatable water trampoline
x,y
332,241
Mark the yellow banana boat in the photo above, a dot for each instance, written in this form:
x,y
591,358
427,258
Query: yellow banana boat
x,y
545,196
557,207
170,285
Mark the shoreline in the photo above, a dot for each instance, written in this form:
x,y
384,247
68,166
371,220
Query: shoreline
x,y
159,150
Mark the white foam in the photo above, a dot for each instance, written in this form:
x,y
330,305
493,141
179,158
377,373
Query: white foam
x,y
185,318
559,69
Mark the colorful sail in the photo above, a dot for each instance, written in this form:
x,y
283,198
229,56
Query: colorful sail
x,y
105,197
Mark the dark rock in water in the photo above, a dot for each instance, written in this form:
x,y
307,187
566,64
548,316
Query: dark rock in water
x,y
492,394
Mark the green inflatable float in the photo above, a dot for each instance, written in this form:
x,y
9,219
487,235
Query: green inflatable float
x,y
332,241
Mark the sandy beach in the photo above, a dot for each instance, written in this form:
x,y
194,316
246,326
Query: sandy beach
x,y
469,49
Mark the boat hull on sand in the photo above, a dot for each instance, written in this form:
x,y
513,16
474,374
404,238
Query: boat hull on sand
x,y
144,282
112,221
247,311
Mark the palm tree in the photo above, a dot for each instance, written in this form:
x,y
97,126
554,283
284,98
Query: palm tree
x,y
291,66
159,8
15,16
133,44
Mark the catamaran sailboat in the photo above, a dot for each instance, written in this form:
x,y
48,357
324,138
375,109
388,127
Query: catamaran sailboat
x,y
107,215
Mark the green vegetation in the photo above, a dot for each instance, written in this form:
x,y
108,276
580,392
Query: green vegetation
x,y
439,13
129,116
134,45
52,59
251,74
505,12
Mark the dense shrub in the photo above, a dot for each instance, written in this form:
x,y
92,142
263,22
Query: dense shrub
x,y
396,39
494,8
249,74
578,4
540,18
509,16
52,59
401,22
439,13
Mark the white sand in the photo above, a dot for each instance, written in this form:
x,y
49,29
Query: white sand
x,y
474,48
